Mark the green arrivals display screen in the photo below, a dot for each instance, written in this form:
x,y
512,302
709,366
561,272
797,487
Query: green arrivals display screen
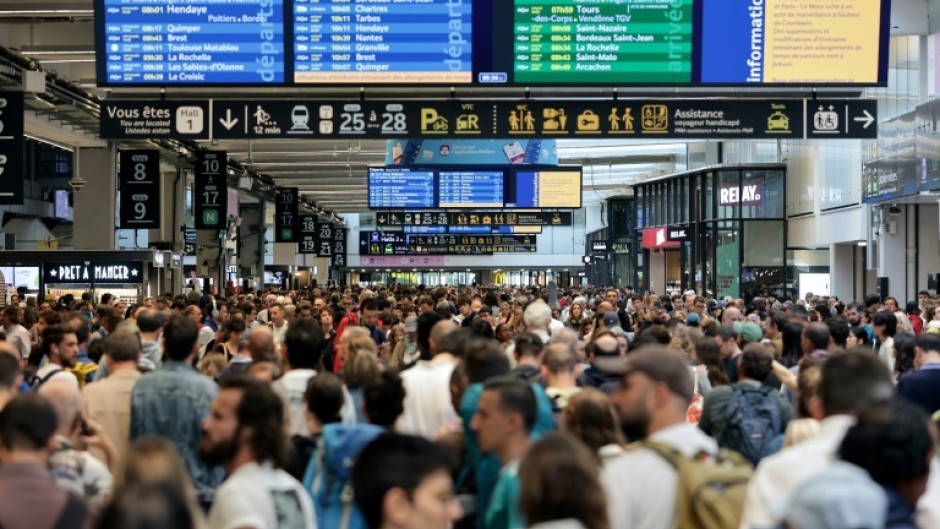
x,y
603,41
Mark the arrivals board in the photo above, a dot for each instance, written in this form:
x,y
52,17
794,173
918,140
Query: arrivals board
x,y
401,188
190,42
454,43
475,189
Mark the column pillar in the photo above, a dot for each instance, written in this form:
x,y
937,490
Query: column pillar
x,y
251,241
95,205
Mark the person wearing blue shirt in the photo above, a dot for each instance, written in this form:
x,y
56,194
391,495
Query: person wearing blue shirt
x,y
923,385
505,417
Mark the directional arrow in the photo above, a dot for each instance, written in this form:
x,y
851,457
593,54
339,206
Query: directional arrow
x,y
229,121
868,119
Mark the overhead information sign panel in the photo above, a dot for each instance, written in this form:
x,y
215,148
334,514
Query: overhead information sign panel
x,y
460,43
626,118
11,148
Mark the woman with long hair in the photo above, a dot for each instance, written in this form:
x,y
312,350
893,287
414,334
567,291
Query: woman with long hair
x,y
575,316
590,416
360,367
559,486
708,354
154,462
792,347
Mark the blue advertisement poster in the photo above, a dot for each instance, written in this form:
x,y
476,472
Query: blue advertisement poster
x,y
471,152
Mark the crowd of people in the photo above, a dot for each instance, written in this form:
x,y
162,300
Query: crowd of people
x,y
472,407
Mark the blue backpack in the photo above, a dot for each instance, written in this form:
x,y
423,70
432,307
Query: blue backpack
x,y
328,473
753,423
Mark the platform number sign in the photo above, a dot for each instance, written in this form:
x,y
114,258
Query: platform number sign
x,y
210,191
308,234
338,248
324,239
286,215
140,190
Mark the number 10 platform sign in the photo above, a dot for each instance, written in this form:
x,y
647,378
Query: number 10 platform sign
x,y
211,190
139,178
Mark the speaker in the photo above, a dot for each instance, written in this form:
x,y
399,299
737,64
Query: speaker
x,y
882,283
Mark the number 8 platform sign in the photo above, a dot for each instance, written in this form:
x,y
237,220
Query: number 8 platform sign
x,y
139,177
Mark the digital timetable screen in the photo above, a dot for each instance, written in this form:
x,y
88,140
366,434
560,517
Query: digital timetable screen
x,y
176,42
474,188
491,42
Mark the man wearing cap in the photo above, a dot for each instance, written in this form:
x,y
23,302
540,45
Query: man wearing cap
x,y
652,401
406,351
610,320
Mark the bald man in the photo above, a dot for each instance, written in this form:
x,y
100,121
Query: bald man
x,y
731,315
74,469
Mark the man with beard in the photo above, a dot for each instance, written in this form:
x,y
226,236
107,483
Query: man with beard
x,y
245,434
654,396
60,349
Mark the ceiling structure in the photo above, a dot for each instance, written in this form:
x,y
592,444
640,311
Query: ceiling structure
x,y
58,36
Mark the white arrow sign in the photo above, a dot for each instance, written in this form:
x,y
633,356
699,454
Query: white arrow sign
x,y
868,119
229,121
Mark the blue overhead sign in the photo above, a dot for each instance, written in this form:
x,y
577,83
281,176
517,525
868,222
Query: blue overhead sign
x,y
193,42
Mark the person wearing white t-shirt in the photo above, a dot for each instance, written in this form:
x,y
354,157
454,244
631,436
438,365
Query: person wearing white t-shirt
x,y
428,408
244,434
278,323
653,401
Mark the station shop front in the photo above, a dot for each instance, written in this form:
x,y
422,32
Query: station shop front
x,y
718,230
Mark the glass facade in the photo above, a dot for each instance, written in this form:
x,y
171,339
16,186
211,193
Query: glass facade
x,y
725,231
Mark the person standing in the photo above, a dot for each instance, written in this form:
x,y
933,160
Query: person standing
x,y
172,401
244,434
108,402
17,335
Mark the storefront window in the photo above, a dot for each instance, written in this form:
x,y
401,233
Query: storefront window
x,y
761,195
728,259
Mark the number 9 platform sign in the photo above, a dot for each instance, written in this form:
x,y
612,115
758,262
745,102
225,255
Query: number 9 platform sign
x,y
139,178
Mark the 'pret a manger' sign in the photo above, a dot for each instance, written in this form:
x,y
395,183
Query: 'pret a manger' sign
x,y
98,273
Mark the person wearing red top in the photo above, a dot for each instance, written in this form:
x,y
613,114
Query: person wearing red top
x,y
913,315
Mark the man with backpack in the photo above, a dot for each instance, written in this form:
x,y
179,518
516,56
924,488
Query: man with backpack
x,y
245,434
60,349
650,486
747,416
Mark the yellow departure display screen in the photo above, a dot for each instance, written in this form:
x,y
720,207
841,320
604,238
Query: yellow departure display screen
x,y
547,189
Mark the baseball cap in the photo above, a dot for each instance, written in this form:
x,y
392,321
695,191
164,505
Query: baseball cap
x,y
411,324
692,319
611,320
750,331
841,497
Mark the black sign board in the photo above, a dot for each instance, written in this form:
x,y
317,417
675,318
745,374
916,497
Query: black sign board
x,y
622,118
210,200
678,234
122,273
139,177
11,148
308,235
153,119
325,239
338,248
189,241
471,218
286,214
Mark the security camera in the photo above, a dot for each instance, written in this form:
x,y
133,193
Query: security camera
x,y
894,210
77,183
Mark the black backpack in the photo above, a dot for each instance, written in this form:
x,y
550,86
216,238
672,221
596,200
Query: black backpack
x,y
753,424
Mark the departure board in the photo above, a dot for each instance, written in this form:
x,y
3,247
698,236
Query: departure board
x,y
471,189
376,41
220,42
581,42
401,188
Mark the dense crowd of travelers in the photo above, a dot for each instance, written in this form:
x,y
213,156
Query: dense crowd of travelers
x,y
472,407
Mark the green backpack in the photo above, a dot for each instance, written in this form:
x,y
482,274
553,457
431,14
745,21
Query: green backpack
x,y
712,489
